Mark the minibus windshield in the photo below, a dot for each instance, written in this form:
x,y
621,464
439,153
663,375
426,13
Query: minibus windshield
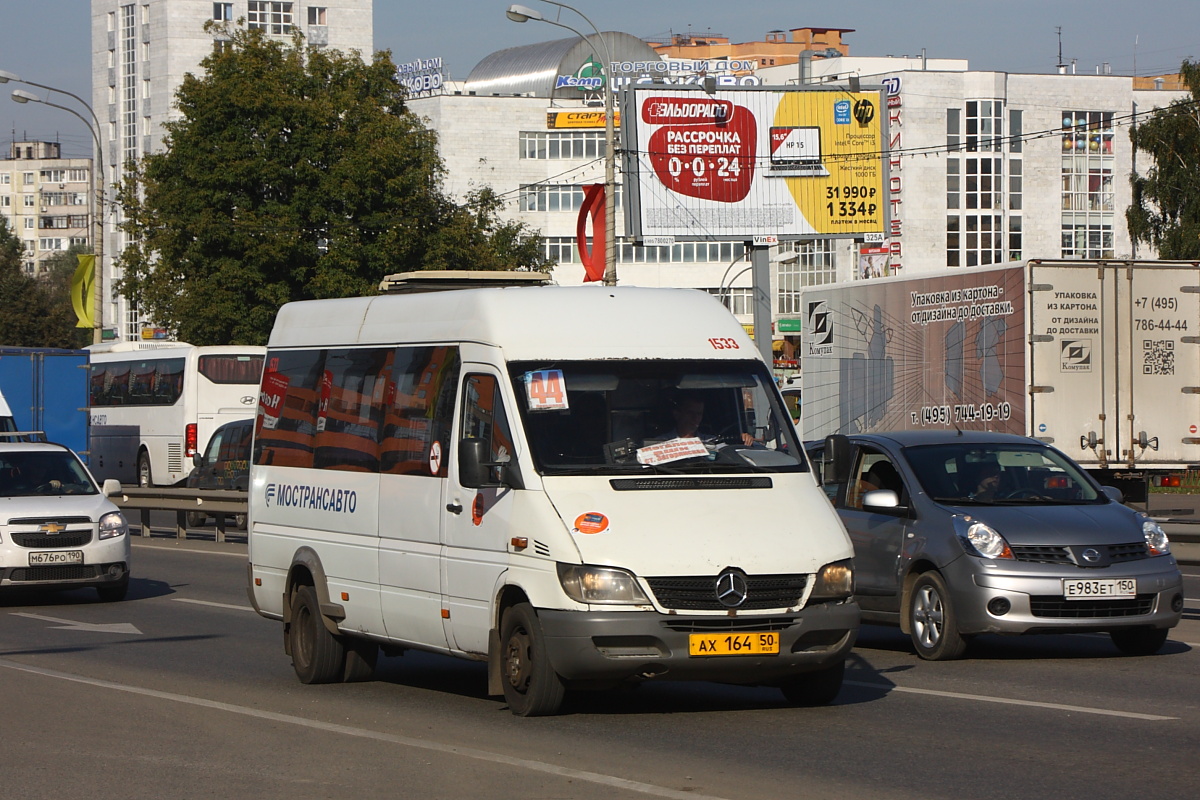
x,y
630,416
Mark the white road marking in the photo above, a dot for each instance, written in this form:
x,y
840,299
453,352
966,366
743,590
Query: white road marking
x,y
983,698
210,603
90,627
404,741
138,544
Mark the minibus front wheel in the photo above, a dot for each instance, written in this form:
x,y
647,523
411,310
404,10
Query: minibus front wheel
x,y
531,686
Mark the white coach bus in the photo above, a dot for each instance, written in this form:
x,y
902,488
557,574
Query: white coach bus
x,y
514,475
154,406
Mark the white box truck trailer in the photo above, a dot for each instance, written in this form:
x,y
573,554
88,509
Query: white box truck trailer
x,y
1099,358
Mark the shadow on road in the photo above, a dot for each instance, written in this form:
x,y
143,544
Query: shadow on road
x,y
469,679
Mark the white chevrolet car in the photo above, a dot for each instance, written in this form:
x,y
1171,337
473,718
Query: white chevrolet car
x,y
58,530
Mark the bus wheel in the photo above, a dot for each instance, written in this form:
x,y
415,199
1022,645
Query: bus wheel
x,y
531,686
317,655
143,470
196,518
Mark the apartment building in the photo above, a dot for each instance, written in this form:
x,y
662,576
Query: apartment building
x,y
141,52
47,200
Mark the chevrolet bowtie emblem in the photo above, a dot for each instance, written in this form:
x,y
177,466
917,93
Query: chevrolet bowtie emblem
x,y
52,528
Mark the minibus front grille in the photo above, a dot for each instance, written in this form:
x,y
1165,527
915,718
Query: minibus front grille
x,y
689,482
730,624
700,593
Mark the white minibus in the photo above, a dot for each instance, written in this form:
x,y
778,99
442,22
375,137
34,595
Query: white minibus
x,y
580,486
154,406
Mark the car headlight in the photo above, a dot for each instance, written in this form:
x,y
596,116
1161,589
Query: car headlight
x,y
1157,542
601,585
834,581
980,539
112,525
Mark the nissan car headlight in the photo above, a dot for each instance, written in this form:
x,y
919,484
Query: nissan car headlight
x,y
980,539
1156,538
834,582
601,585
112,525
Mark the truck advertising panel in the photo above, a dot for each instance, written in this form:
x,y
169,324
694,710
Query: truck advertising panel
x,y
938,352
753,162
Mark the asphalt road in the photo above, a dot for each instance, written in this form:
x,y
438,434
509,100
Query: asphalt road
x,y
182,691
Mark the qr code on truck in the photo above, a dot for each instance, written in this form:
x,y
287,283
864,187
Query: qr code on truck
x,y
1158,357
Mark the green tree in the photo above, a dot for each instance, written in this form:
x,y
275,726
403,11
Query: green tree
x,y
1166,200
36,312
291,174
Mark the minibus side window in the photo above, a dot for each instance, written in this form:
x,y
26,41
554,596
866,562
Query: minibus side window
x,y
350,409
483,416
287,413
418,410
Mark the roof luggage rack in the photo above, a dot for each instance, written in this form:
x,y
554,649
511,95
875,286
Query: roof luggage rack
x,y
437,280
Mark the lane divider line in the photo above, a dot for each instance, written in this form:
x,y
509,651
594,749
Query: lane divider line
x,y
466,752
983,698
211,603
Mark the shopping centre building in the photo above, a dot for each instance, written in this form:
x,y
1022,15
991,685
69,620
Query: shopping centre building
x,y
978,167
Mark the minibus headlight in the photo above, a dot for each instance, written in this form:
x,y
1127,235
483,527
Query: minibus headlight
x,y
595,585
1156,538
113,525
834,581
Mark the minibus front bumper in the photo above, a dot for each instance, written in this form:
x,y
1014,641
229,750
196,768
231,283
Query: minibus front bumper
x,y
640,645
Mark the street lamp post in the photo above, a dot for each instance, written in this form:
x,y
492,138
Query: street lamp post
x,y
22,96
519,13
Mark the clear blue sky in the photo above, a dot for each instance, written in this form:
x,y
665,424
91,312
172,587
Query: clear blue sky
x,y
48,40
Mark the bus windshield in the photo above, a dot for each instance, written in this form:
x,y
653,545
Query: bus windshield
x,y
665,416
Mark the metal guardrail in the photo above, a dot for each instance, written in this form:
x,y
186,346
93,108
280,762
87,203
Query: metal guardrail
x,y
221,504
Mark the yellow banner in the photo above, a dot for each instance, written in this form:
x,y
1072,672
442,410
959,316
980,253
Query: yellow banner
x,y
579,119
82,295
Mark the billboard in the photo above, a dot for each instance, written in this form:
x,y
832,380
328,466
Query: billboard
x,y
738,163
947,351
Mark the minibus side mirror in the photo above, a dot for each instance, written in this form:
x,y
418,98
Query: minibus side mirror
x,y
837,455
197,459
475,471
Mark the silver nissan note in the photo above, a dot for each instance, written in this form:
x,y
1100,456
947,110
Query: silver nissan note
x,y
957,534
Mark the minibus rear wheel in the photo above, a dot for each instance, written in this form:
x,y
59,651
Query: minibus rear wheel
x,y
531,686
317,655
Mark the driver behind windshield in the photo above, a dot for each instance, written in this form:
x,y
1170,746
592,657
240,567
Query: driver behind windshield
x,y
687,410
987,482
39,473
